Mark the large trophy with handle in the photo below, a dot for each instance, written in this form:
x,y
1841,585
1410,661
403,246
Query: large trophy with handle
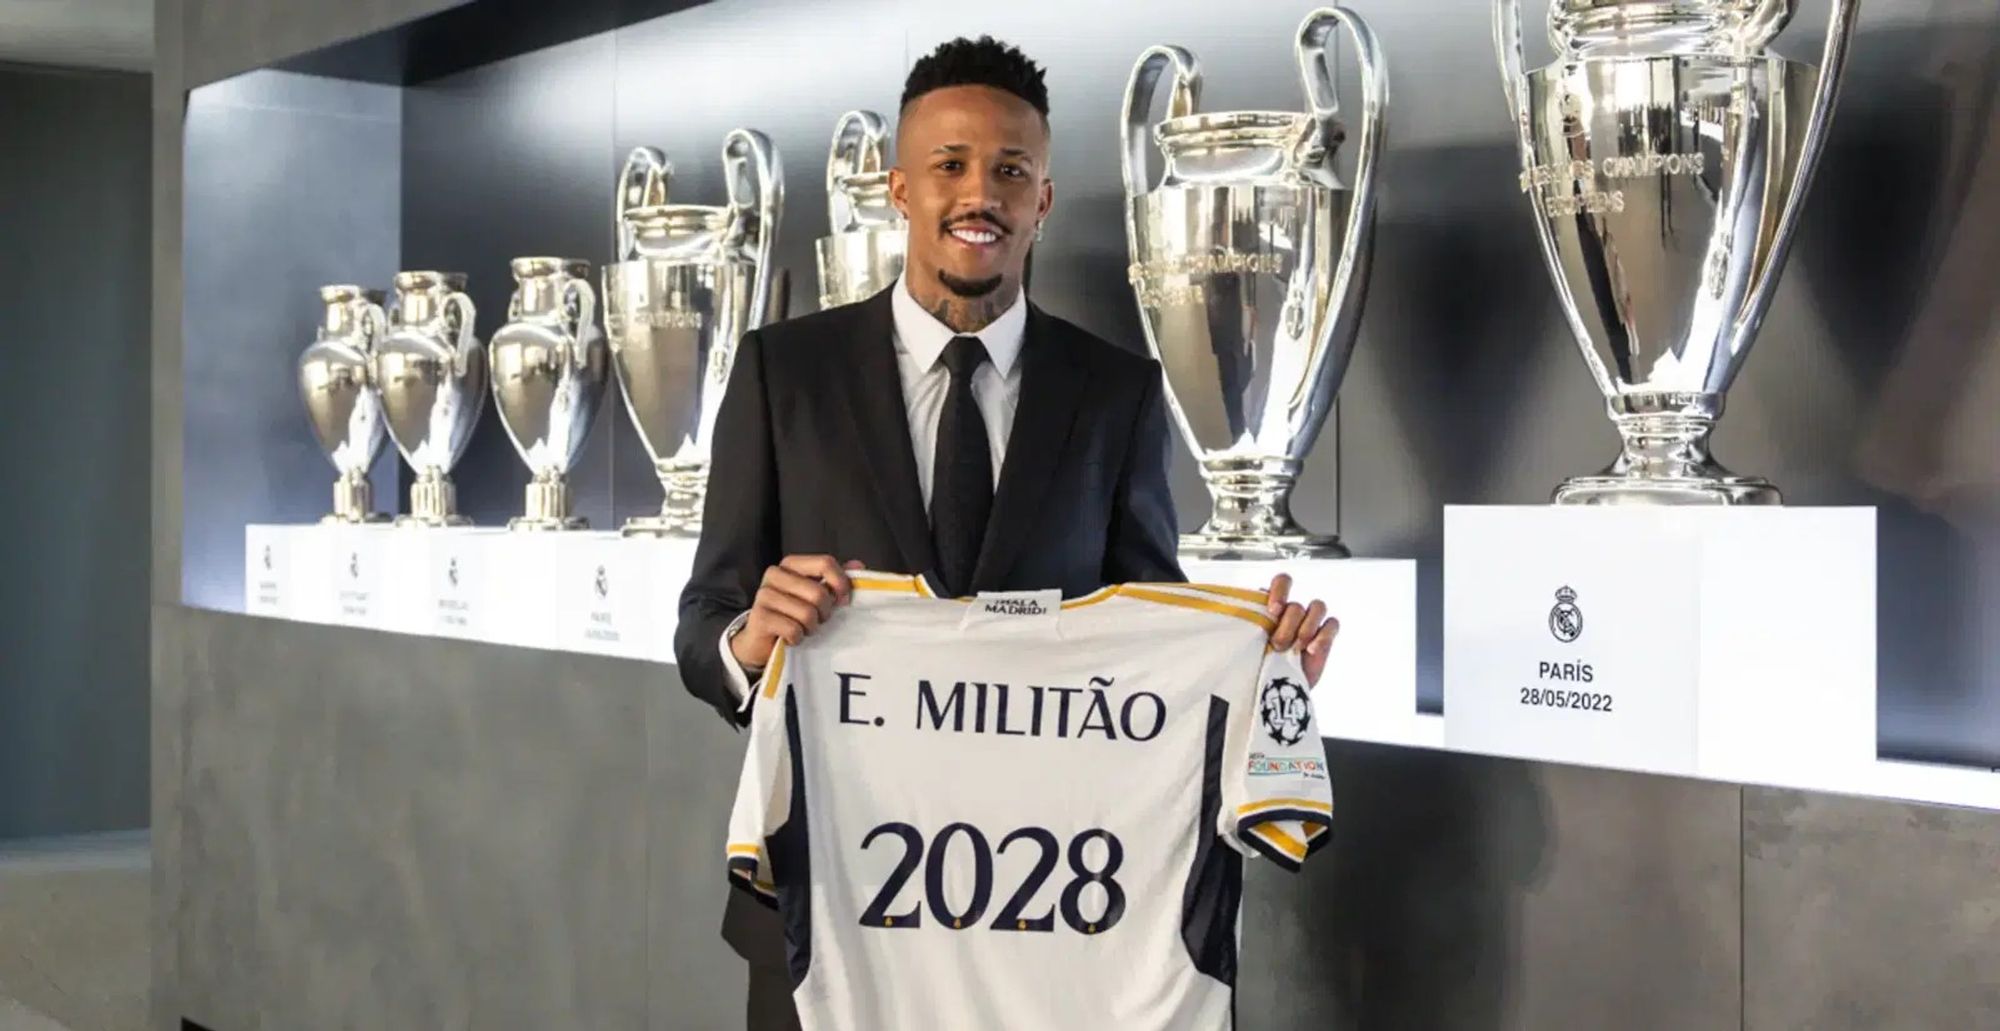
x,y
865,252
549,370
1667,154
432,375
1250,262
340,398
688,282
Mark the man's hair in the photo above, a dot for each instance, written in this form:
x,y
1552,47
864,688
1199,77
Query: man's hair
x,y
978,62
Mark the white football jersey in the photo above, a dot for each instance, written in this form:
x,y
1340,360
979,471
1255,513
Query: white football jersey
x,y
1014,811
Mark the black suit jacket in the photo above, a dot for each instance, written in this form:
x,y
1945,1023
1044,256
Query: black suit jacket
x,y
812,456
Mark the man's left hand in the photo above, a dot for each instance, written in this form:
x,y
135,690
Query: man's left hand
x,y
1307,628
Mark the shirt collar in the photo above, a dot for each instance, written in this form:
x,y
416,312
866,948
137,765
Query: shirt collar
x,y
924,337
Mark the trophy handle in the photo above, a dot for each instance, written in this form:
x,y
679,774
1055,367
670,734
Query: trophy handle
x,y
1839,30
756,184
368,316
642,183
459,313
1507,44
1324,96
577,292
860,141
1145,81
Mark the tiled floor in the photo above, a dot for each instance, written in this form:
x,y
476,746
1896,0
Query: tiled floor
x,y
73,952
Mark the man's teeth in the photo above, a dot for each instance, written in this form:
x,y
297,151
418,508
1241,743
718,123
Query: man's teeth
x,y
976,235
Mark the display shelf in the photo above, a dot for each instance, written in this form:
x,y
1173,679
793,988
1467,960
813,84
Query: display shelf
x,y
600,593
1762,672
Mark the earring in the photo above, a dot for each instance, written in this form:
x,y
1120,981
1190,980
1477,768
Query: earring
x,y
1038,232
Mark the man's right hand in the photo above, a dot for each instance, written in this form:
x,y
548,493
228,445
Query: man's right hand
x,y
796,597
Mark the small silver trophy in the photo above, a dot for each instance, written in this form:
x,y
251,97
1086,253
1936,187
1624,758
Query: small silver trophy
x,y
865,252
689,281
341,402
549,370
432,375
1667,155
1250,263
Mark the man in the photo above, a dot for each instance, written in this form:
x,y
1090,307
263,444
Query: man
x,y
945,426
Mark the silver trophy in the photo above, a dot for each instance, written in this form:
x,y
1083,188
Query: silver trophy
x,y
341,403
1250,263
431,372
1667,154
865,253
689,281
549,369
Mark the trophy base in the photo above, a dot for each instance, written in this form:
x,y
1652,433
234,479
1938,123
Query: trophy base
x,y
659,526
1236,547
548,507
1629,490
542,524
353,502
433,502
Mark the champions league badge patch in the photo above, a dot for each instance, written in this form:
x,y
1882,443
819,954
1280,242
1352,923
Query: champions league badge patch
x,y
1285,709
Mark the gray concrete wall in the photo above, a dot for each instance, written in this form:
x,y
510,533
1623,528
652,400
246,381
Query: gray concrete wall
x,y
360,827
73,296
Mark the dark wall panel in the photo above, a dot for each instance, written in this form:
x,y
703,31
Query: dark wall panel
x,y
75,211
291,183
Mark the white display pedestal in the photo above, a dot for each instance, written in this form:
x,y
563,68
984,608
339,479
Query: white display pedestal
x,y
599,593
578,591
1729,643
1369,689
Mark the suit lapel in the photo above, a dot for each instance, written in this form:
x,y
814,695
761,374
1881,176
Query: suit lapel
x,y
1051,387
875,393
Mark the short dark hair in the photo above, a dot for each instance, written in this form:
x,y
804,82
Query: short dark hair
x,y
978,62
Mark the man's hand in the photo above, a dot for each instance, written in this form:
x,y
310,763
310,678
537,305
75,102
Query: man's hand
x,y
796,597
1309,629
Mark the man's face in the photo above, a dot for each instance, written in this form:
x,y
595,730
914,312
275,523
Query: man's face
x,y
971,176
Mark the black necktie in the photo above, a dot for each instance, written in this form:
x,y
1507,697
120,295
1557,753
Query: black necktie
x,y
962,472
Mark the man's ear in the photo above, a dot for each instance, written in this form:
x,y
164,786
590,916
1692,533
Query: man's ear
x,y
899,190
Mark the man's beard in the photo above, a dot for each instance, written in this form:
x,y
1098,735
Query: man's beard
x,y
969,288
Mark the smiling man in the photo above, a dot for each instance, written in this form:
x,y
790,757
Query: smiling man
x,y
945,426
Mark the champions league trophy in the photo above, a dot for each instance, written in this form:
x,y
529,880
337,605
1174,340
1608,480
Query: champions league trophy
x,y
432,375
341,403
865,253
1667,154
549,369
688,282
1250,261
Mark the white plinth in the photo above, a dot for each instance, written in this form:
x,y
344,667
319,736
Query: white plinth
x,y
536,590
1729,643
1369,689
619,595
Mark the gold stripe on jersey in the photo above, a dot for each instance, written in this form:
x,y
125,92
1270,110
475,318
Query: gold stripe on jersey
x,y
1306,804
1101,594
775,670
888,584
1257,598
1257,616
1183,595
752,851
1279,840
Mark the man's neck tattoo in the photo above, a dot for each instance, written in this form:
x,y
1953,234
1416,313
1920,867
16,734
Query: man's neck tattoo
x,y
970,314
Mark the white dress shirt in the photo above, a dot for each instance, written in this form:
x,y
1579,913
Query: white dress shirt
x,y
920,340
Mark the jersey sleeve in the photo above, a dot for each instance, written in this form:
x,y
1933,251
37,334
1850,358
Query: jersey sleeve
x,y
764,790
1277,798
